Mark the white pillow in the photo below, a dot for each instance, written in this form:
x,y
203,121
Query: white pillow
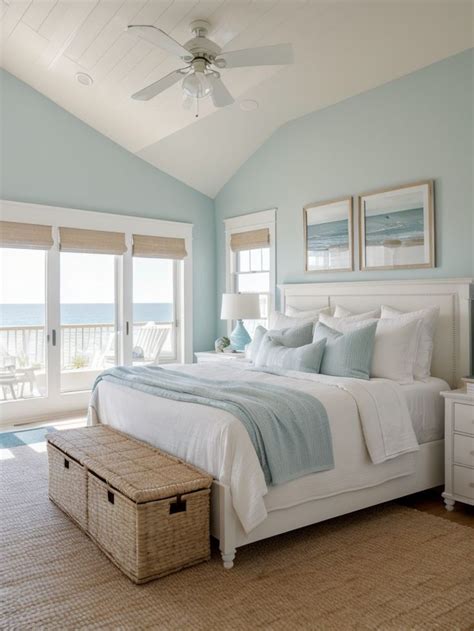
x,y
395,349
279,320
429,319
342,312
292,312
251,350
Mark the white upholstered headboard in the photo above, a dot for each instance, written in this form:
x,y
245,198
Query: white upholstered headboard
x,y
451,356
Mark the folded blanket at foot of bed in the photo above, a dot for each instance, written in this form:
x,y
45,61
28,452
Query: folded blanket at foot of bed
x,y
288,429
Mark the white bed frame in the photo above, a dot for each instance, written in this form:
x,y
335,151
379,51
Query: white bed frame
x,y
451,360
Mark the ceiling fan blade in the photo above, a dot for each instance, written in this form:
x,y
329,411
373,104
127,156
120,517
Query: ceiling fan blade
x,y
220,94
158,86
277,55
159,38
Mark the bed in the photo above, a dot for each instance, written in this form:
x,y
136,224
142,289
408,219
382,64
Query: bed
x,y
244,508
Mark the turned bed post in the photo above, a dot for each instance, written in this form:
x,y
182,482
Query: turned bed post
x,y
223,526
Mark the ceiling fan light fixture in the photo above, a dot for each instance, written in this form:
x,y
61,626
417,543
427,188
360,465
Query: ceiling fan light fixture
x,y
204,58
197,85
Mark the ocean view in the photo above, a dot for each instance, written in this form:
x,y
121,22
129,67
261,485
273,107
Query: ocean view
x,y
94,313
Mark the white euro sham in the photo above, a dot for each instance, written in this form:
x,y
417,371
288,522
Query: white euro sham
x,y
342,312
293,312
429,319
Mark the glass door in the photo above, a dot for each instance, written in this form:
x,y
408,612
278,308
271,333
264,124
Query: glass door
x,y
88,318
23,366
154,309
78,297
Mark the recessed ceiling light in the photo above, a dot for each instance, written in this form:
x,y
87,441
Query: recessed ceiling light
x,y
84,79
248,105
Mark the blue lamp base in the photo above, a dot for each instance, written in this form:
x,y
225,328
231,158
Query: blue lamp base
x,y
239,337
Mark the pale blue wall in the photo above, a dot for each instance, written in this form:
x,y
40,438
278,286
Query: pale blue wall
x,y
415,128
50,157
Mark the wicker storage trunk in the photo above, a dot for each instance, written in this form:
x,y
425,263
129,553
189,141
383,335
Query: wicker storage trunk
x,y
68,484
148,511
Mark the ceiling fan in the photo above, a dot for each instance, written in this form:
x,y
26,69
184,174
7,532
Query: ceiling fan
x,y
204,58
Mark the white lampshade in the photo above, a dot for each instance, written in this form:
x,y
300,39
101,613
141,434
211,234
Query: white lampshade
x,y
240,307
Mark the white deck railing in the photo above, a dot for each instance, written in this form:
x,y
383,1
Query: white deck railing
x,y
80,344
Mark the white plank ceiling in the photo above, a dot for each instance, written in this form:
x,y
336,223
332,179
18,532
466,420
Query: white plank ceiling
x,y
341,49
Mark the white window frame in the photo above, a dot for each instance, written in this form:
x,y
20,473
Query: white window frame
x,y
244,223
57,403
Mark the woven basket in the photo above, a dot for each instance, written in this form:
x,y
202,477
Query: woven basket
x,y
68,485
148,511
151,539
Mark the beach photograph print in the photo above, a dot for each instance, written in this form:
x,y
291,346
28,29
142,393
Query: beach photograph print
x,y
328,236
397,228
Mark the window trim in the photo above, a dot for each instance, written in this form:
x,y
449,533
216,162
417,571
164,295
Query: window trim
x,y
244,223
23,212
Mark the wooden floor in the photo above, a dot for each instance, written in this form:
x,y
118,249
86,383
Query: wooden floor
x,y
432,502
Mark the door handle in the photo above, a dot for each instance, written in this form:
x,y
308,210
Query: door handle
x,y
53,337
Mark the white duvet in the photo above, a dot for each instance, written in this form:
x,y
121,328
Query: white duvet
x,y
373,437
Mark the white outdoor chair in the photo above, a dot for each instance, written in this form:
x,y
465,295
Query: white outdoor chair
x,y
101,359
16,371
151,339
7,382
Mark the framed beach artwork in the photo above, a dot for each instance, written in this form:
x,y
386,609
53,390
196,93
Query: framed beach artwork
x,y
397,228
328,236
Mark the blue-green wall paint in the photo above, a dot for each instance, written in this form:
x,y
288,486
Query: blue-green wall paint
x,y
50,157
418,127
415,128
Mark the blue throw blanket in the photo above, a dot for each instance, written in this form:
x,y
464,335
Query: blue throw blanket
x,y
288,429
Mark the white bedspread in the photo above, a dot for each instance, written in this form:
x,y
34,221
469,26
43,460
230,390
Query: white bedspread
x,y
365,417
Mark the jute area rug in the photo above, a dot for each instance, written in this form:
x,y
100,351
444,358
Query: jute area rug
x,y
385,568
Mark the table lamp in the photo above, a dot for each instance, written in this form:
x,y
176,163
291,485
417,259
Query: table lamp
x,y
239,307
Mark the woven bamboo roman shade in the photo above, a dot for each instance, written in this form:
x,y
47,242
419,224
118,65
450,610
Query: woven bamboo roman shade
x,y
250,240
25,235
159,247
91,241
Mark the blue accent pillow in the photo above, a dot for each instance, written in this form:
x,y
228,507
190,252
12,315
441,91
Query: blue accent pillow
x,y
294,336
346,354
305,358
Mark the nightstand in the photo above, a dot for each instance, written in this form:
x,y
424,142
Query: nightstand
x,y
459,448
212,356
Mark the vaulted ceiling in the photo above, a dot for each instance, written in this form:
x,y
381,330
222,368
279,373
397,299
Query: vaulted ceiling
x,y
341,49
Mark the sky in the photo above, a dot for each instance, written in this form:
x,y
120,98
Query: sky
x,y
85,278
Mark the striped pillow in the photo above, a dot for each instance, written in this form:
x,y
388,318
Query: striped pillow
x,y
305,358
346,354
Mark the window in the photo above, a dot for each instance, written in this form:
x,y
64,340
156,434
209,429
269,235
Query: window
x,y
82,292
252,275
23,370
88,326
251,260
154,302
